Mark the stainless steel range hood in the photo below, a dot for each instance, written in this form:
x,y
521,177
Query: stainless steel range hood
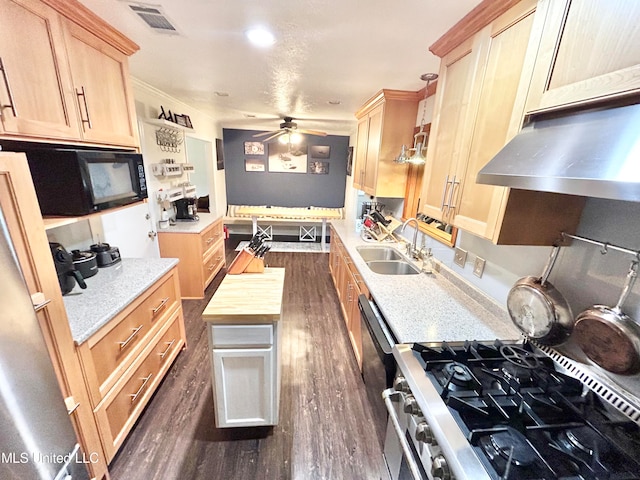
x,y
593,153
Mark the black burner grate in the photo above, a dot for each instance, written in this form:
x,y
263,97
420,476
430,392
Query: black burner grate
x,y
525,420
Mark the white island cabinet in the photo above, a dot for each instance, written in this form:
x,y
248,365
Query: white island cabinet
x,y
244,339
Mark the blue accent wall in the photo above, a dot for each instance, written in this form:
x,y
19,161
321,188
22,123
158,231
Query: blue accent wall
x,y
284,189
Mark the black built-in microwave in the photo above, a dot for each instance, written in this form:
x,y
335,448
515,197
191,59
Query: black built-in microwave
x,y
78,182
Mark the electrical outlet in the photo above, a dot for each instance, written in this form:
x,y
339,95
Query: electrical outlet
x,y
460,257
478,267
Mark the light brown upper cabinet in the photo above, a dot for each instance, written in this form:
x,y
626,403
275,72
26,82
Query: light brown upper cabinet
x,y
480,103
36,98
588,52
64,75
385,123
100,75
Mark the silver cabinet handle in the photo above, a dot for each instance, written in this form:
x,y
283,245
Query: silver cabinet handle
x,y
7,85
162,304
83,94
73,409
453,182
413,466
444,193
40,306
145,380
131,337
451,197
169,345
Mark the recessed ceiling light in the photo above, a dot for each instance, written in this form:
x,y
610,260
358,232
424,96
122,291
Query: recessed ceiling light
x,y
221,94
260,37
334,102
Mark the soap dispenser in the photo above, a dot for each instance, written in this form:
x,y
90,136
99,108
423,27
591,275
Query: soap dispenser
x,y
427,262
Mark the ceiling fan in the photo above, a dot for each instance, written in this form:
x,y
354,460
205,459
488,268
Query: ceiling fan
x,y
288,127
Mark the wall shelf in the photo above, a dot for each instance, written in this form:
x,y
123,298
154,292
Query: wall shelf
x,y
158,122
55,222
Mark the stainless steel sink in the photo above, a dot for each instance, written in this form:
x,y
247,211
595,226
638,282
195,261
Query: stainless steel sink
x,y
392,267
369,254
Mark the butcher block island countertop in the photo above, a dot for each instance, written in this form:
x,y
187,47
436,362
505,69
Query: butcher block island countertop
x,y
248,298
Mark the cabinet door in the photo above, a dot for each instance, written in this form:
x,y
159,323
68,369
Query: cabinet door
x,y
478,207
100,76
450,127
355,330
361,153
374,137
589,51
245,387
36,97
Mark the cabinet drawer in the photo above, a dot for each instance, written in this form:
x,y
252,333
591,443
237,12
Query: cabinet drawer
x,y
112,349
123,408
210,237
241,335
212,264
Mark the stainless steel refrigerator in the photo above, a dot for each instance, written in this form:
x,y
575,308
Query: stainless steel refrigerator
x,y
37,440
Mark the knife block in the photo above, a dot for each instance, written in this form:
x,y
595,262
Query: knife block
x,y
256,265
241,262
245,262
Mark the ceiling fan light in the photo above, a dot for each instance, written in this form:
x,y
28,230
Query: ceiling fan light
x,y
295,138
284,139
260,37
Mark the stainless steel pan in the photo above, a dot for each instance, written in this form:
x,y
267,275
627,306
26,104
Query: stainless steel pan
x,y
608,336
538,309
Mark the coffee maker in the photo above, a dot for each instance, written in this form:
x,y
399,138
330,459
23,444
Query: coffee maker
x,y
186,209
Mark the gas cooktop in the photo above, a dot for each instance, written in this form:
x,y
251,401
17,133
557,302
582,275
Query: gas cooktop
x,y
526,420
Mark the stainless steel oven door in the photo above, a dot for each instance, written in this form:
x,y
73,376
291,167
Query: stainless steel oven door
x,y
402,459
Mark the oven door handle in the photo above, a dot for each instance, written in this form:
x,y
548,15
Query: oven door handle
x,y
373,325
411,462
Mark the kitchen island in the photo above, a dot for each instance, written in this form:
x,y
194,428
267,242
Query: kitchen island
x,y
243,323
428,307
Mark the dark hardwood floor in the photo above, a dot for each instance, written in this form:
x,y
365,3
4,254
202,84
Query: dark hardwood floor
x,y
325,429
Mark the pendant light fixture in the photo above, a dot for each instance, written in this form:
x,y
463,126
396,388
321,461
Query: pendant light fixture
x,y
415,155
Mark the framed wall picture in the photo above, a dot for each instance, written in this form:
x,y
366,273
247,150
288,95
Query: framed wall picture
x,y
320,151
219,154
320,168
253,148
254,165
287,158
349,161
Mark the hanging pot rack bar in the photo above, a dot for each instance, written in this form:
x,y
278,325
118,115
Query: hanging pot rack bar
x,y
605,245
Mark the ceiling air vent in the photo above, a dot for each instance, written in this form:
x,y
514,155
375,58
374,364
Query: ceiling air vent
x,y
154,17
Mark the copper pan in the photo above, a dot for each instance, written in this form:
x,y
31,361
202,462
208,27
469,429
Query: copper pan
x,y
608,336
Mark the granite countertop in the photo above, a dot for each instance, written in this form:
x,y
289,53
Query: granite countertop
x,y
206,219
110,291
429,307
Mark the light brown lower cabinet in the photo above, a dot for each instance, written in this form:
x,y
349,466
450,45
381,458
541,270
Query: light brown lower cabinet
x,y
125,361
349,286
201,256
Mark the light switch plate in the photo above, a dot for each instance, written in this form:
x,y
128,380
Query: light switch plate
x,y
460,257
478,267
